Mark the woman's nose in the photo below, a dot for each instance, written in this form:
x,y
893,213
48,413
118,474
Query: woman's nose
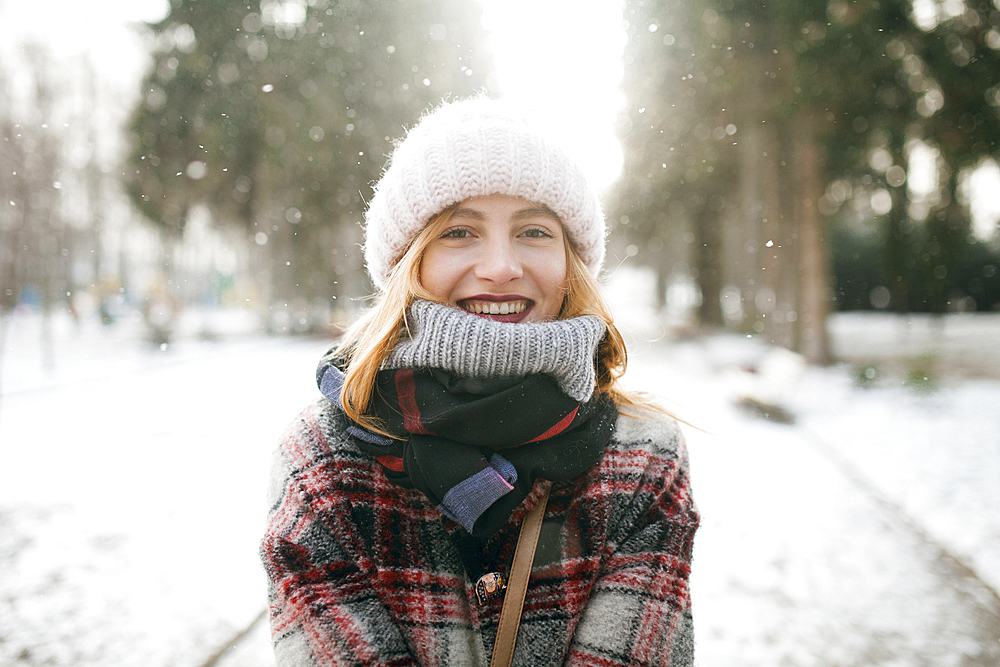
x,y
499,263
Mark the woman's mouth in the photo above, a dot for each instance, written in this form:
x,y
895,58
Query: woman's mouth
x,y
499,308
479,307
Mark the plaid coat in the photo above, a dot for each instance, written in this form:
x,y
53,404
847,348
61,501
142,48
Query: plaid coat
x,y
364,572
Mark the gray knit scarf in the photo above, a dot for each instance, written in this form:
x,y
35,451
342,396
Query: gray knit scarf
x,y
474,347
479,409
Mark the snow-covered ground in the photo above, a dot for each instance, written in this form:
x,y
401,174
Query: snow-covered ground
x,y
131,490
866,532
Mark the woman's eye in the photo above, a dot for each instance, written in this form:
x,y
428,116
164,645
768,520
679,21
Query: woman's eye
x,y
537,233
457,233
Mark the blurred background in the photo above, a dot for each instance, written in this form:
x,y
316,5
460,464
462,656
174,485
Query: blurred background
x,y
804,202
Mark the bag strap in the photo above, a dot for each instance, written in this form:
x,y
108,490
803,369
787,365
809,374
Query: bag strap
x,y
517,584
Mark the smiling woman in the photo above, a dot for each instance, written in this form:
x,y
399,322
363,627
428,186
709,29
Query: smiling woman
x,y
472,426
497,256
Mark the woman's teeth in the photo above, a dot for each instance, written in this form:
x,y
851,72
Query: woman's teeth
x,y
494,308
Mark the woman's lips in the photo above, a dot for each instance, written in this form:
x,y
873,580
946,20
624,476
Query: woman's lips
x,y
479,307
499,308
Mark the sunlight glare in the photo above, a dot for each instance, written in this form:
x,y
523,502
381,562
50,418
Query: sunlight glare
x,y
562,59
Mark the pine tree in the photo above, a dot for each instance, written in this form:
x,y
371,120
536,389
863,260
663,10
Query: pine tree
x,y
278,116
815,92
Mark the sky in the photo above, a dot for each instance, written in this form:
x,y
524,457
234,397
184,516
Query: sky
x,y
554,55
112,40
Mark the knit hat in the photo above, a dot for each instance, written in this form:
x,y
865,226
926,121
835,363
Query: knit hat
x,y
472,148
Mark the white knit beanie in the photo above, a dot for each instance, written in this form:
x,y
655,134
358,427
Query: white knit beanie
x,y
472,148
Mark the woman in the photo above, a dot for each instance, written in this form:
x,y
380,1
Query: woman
x,y
485,377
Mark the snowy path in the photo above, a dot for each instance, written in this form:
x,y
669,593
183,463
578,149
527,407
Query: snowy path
x,y
131,499
800,561
131,502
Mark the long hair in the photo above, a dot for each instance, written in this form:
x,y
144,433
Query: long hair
x,y
367,343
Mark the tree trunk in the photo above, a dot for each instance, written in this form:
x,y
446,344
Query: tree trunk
x,y
751,147
708,237
895,250
662,282
813,244
770,249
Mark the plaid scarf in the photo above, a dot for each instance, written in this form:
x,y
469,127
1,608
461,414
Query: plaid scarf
x,y
475,445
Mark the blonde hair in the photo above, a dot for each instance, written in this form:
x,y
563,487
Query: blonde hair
x,y
369,341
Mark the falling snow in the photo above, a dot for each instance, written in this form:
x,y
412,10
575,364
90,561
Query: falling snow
x,y
132,497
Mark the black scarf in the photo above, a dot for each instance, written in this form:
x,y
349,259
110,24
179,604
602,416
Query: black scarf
x,y
464,442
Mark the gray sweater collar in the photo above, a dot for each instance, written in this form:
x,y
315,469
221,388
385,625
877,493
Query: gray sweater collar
x,y
451,339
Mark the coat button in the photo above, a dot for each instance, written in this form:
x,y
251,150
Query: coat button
x,y
490,587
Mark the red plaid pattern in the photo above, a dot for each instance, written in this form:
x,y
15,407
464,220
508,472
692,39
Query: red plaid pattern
x,y
363,572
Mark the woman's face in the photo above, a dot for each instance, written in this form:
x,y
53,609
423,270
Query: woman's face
x,y
499,257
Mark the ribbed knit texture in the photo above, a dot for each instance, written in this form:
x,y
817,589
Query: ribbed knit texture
x,y
471,346
473,148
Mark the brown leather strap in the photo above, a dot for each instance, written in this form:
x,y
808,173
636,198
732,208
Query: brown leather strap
x,y
517,584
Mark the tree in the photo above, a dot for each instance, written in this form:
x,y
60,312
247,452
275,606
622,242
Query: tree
x,y
960,117
277,117
676,134
826,100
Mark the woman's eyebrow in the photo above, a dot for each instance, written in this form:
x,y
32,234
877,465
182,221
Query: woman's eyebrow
x,y
521,214
536,211
469,213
